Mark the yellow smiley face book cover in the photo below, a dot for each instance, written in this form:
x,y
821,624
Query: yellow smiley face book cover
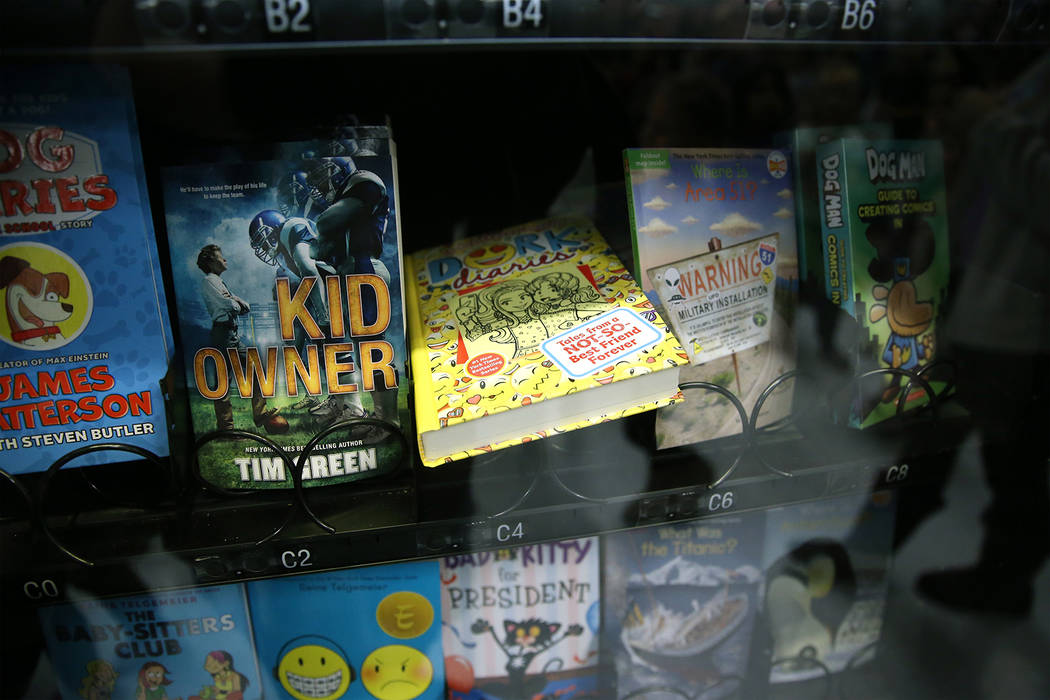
x,y
506,322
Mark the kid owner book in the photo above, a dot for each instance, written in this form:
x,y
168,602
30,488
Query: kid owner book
x,y
288,278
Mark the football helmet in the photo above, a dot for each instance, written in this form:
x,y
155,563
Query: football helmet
x,y
328,176
263,234
293,193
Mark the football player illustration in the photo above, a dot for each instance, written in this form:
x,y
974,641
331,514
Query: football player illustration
x,y
352,207
290,246
293,194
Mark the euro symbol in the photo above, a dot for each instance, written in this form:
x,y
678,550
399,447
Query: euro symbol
x,y
404,617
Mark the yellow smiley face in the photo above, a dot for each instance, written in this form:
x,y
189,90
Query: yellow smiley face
x,y
314,670
489,256
396,672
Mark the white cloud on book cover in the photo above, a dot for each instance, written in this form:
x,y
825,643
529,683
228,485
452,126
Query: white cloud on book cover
x,y
657,203
690,220
657,227
783,213
736,225
785,193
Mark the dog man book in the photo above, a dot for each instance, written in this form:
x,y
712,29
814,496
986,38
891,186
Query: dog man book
x,y
79,274
288,278
715,249
884,231
532,331
194,644
372,633
522,623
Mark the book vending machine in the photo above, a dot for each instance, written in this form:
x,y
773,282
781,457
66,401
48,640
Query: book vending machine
x,y
524,349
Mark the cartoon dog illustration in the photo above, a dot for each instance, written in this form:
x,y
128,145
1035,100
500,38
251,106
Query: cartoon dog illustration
x,y
34,302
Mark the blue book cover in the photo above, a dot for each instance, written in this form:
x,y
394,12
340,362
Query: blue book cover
x,y
79,272
826,569
194,644
288,279
680,603
357,634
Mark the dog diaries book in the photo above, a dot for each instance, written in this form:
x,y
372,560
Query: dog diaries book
x,y
79,273
826,567
884,233
358,634
288,278
522,622
535,330
715,249
680,604
194,644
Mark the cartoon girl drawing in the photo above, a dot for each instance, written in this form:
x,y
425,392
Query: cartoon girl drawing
x,y
151,681
561,301
227,682
511,306
99,682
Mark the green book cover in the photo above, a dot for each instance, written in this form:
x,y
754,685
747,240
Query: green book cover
x,y
714,245
803,145
884,231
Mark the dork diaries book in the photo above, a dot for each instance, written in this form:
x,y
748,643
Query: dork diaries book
x,y
79,274
360,634
289,288
194,644
680,604
691,211
522,623
535,330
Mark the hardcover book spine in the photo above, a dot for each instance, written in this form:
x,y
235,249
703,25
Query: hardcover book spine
x,y
639,273
419,357
802,143
834,224
805,232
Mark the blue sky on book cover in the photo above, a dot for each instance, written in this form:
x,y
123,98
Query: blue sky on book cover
x,y
79,272
358,634
166,645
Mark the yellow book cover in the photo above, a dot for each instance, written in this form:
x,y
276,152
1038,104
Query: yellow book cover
x,y
531,328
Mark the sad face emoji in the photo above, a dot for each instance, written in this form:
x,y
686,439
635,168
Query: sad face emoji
x,y
396,672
